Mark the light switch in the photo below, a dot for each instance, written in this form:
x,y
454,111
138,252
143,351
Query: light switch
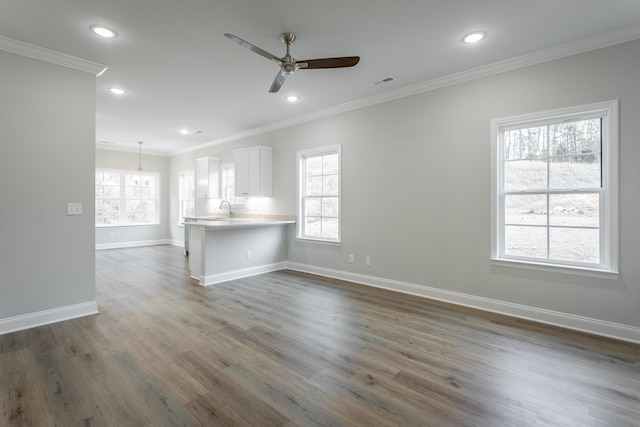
x,y
74,208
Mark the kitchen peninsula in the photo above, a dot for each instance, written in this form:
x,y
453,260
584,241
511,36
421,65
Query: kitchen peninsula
x,y
224,249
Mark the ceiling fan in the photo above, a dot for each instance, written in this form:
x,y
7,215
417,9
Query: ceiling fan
x,y
288,64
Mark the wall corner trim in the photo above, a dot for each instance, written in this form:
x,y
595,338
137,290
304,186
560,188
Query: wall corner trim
x,y
46,317
555,318
43,54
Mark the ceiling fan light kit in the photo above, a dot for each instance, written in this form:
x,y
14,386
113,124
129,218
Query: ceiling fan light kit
x,y
289,65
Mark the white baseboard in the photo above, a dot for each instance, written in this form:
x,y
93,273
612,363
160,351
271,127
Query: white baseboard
x,y
177,243
564,320
239,274
119,245
40,318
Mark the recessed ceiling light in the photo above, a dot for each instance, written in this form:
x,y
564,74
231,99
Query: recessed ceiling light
x,y
117,90
292,98
105,32
474,37
190,132
184,131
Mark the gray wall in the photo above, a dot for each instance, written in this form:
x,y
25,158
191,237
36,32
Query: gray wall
x,y
118,236
416,185
47,140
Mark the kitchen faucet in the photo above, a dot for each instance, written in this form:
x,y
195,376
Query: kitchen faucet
x,y
222,204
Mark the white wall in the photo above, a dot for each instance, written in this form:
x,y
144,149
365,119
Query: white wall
x,y
416,190
122,236
47,139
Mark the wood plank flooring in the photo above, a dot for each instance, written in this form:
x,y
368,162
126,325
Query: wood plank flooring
x,y
290,349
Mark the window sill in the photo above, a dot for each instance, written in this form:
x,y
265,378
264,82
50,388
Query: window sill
x,y
562,269
126,225
320,241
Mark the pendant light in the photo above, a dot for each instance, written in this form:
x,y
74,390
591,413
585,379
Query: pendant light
x,y
140,165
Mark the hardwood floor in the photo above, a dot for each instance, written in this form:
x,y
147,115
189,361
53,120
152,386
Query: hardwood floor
x,y
290,349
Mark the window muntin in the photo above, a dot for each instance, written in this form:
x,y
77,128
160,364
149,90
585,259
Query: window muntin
x,y
319,194
228,186
556,189
187,196
108,200
126,197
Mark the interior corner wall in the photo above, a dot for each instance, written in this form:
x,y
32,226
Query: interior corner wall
x,y
47,149
136,235
416,190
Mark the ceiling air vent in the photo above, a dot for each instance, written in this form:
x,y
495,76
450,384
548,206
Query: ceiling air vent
x,y
387,80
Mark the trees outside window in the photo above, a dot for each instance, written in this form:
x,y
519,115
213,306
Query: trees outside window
x,y
555,188
319,194
187,197
126,197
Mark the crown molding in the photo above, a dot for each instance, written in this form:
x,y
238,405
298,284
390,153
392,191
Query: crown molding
x,y
43,54
598,41
123,149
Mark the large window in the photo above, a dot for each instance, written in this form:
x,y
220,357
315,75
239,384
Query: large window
x,y
187,196
229,185
319,194
126,197
555,189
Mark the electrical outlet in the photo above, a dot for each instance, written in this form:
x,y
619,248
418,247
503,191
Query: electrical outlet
x,y
111,234
351,259
367,260
74,208
248,255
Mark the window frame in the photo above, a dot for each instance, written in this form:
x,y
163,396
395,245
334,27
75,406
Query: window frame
x,y
182,175
227,192
123,200
302,156
608,226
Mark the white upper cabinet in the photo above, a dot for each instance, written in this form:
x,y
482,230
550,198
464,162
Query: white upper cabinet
x,y
253,171
208,177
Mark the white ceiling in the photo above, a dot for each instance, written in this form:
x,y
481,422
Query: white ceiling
x,y
181,72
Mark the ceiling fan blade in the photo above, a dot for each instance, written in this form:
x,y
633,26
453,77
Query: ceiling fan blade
x,y
277,82
253,48
345,61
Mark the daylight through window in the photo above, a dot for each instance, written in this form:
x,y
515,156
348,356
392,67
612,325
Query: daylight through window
x,y
319,194
229,184
126,197
556,188
187,195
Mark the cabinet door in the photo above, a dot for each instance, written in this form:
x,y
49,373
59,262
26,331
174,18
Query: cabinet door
x,y
242,173
253,171
208,177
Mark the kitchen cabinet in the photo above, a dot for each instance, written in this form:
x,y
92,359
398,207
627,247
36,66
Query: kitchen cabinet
x,y
253,171
208,177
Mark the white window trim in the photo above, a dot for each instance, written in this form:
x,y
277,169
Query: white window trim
x,y
122,184
300,223
233,199
182,173
609,220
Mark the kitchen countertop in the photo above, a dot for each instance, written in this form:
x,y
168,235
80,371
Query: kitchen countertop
x,y
217,223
